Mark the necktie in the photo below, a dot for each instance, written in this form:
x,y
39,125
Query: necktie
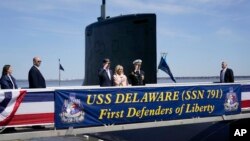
x,y
108,73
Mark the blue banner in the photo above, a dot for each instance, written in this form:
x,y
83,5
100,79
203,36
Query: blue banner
x,y
95,107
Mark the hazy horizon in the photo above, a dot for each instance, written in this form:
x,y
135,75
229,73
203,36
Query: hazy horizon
x,y
68,79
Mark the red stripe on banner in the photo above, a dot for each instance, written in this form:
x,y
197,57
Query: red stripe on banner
x,y
32,119
245,104
17,103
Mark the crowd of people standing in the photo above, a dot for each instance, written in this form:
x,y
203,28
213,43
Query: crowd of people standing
x,y
106,76
118,78
35,77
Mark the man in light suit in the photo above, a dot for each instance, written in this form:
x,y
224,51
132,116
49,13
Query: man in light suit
x,y
36,79
105,74
226,74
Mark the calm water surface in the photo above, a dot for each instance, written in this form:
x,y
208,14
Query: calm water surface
x,y
79,82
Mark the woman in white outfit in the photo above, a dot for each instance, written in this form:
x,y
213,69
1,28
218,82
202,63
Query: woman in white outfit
x,y
119,78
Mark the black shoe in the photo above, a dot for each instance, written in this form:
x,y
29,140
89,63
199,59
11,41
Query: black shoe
x,y
9,130
38,127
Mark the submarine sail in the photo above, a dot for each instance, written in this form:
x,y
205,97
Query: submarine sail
x,y
122,39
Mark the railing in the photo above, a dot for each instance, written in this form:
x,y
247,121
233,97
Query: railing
x,y
38,108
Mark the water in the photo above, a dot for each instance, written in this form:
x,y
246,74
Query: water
x,y
79,82
52,83
213,79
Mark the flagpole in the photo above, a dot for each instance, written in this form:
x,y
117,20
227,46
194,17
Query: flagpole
x,y
164,54
59,72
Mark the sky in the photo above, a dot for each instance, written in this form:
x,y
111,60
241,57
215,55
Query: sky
x,y
197,34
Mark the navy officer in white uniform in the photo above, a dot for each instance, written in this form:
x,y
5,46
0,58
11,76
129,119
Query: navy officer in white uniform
x,y
137,75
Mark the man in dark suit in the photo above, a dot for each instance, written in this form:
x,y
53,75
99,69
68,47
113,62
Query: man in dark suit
x,y
226,74
105,74
36,79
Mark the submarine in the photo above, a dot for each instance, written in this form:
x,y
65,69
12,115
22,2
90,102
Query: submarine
x,y
122,39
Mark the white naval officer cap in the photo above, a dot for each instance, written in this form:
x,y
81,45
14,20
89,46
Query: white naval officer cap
x,y
137,61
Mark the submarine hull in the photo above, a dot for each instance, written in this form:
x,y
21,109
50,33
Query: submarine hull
x,y
122,39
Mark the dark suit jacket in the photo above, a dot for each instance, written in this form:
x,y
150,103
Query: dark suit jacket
x,y
136,78
6,82
36,79
229,76
104,78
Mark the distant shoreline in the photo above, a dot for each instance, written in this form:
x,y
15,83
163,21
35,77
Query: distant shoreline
x,y
180,77
201,77
23,83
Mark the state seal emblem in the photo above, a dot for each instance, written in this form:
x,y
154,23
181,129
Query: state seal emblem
x,y
231,101
72,110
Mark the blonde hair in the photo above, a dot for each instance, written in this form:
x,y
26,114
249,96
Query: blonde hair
x,y
117,68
